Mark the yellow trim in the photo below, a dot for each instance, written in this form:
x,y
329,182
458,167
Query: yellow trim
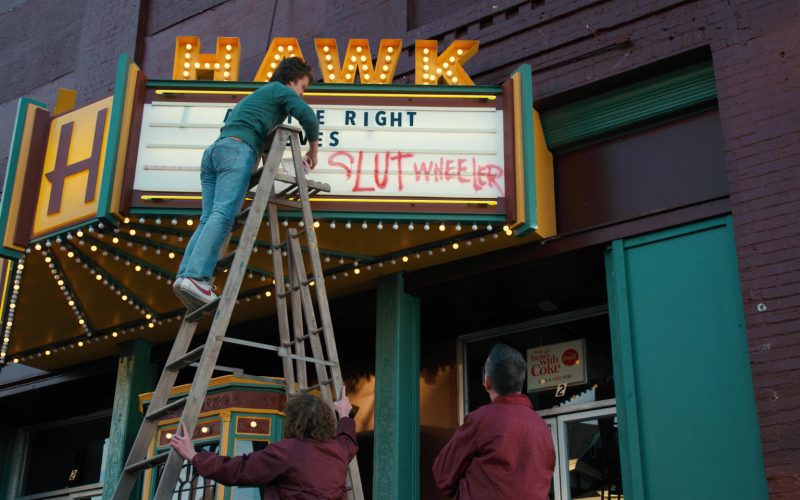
x,y
489,97
490,203
124,135
225,432
519,167
65,101
545,183
5,285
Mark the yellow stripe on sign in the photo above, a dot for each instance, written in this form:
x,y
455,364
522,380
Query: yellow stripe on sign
x,y
488,97
489,203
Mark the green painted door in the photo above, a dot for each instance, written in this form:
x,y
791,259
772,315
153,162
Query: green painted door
x,y
686,409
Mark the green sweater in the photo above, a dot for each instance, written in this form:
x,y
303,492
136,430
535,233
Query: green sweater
x,y
266,108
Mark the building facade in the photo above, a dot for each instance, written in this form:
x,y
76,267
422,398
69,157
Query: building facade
x,y
672,273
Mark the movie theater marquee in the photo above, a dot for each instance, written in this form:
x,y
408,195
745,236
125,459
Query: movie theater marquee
x,y
407,151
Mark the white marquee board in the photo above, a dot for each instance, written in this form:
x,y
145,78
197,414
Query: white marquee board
x,y
385,151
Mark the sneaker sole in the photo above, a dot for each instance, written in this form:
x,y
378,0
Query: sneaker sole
x,y
194,301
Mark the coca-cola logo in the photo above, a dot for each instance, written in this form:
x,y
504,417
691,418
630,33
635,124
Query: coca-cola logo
x,y
569,357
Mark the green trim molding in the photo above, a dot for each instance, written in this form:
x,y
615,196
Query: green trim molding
x,y
114,139
397,364
620,109
528,156
134,376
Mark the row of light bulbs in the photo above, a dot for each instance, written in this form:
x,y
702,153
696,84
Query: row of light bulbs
x,y
12,305
151,321
187,65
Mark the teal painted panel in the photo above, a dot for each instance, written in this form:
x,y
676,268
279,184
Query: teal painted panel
x,y
695,433
644,101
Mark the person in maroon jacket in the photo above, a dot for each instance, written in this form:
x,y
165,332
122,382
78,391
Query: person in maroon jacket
x,y
309,463
504,449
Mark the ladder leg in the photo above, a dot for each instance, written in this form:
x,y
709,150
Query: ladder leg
x,y
298,345
148,428
316,265
298,269
280,298
227,301
354,475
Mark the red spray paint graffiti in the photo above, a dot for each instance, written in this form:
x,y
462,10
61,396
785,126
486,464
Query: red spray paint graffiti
x,y
376,176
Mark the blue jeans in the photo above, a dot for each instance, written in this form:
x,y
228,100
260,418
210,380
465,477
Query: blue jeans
x,y
224,174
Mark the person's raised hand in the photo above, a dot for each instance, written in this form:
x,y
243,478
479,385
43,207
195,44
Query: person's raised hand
x,y
343,405
183,444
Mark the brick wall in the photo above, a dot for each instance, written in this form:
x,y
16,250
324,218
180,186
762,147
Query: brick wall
x,y
755,47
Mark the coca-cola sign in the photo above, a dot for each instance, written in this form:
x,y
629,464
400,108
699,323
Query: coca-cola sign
x,y
556,364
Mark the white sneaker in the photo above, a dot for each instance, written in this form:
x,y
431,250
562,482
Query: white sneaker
x,y
176,289
195,293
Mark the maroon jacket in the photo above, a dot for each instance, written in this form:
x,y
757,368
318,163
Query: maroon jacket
x,y
291,468
503,450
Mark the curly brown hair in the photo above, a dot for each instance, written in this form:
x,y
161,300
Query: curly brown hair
x,y
308,417
291,69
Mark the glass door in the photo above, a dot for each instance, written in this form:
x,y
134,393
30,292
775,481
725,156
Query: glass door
x,y
587,455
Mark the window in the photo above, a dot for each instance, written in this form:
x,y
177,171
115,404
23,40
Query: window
x,y
65,455
589,326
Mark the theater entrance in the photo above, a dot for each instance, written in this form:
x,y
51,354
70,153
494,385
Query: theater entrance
x,y
587,452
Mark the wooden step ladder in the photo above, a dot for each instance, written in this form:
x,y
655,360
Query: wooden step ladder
x,y
304,326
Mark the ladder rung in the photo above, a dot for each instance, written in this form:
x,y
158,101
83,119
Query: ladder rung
x,y
282,351
226,261
294,289
283,202
148,463
301,338
202,311
311,184
240,219
227,369
186,359
317,386
160,412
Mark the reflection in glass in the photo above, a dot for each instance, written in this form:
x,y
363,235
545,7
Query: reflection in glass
x,y
599,385
593,459
241,447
